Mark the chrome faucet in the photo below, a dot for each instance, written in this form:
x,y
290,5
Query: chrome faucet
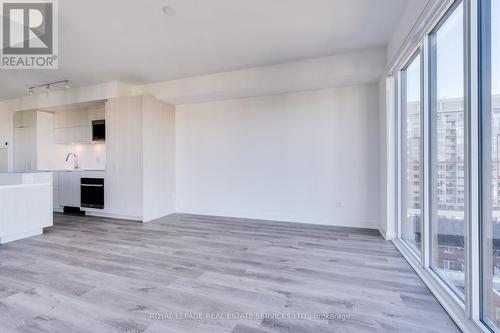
x,y
76,159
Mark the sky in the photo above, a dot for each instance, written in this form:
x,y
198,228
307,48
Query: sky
x,y
450,59
449,40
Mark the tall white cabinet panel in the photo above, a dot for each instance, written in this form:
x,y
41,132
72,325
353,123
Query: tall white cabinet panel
x,y
25,149
124,157
32,133
24,141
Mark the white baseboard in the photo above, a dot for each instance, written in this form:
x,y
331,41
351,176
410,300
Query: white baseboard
x,y
364,224
353,223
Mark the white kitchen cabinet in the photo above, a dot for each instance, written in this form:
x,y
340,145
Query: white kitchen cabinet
x,y
124,157
30,135
80,134
25,149
75,126
24,141
69,188
139,183
71,118
96,113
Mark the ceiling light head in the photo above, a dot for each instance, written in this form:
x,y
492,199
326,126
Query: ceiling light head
x,y
31,91
169,11
66,85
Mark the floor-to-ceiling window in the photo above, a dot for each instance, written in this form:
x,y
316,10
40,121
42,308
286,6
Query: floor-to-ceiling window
x,y
490,111
411,219
447,221
459,162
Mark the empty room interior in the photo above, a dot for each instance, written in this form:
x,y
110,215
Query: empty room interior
x,y
237,166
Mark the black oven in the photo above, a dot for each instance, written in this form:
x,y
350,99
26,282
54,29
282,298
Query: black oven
x,y
92,193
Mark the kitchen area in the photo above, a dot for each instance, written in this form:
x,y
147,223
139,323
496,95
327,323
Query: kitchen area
x,y
112,158
69,142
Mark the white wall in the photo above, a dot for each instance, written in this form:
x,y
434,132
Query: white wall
x,y
307,157
158,159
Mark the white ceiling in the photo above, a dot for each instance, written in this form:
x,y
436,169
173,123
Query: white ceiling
x,y
133,41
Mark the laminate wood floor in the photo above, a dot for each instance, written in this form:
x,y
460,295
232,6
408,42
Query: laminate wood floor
x,y
200,274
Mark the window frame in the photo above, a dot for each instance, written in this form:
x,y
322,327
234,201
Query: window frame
x,y
485,108
432,102
402,161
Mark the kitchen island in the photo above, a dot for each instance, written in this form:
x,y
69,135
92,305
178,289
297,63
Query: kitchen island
x,y
25,205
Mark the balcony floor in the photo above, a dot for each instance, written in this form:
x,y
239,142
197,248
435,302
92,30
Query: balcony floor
x,y
100,275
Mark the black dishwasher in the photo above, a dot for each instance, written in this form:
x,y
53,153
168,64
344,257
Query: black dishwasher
x,y
92,193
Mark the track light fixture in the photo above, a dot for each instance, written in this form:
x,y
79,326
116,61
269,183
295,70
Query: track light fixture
x,y
48,86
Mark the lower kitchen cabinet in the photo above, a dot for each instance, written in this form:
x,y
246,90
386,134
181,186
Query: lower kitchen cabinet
x,y
66,186
69,188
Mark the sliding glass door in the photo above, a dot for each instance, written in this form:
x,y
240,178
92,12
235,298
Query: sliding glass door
x,y
447,135
411,219
490,113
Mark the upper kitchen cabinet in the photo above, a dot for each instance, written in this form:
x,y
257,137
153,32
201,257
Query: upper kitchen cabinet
x,y
96,113
75,125
71,118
